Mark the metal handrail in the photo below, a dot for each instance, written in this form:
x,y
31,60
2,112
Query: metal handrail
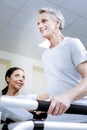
x,y
9,101
48,125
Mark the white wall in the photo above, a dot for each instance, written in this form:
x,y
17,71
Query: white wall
x,y
27,64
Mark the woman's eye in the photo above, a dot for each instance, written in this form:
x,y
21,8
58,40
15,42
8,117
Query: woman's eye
x,y
17,75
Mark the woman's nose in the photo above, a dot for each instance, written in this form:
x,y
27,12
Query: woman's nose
x,y
22,79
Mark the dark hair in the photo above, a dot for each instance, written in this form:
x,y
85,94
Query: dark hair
x,y
8,74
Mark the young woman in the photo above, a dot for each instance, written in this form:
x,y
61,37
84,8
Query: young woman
x,y
15,79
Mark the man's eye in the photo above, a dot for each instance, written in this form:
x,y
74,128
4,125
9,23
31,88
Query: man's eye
x,y
23,77
44,21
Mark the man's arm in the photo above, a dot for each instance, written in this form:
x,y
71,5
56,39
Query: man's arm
x,y
60,103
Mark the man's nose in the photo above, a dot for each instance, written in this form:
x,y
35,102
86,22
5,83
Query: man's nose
x,y
40,25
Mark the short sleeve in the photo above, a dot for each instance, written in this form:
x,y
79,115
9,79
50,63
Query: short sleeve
x,y
78,51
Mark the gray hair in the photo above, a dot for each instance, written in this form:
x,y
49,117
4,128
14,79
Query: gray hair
x,y
56,13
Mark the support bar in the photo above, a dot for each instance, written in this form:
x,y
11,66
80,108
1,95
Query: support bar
x,y
9,101
30,125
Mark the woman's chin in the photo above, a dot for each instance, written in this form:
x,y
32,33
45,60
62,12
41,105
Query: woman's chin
x,y
19,87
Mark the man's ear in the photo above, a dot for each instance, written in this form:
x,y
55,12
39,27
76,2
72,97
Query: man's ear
x,y
58,24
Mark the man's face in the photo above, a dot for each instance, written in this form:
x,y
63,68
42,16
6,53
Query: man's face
x,y
46,24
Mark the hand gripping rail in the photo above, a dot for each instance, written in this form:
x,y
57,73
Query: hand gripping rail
x,y
9,101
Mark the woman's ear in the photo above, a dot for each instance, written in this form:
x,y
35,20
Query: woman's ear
x,y
7,79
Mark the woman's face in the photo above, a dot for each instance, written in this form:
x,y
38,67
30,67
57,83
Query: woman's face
x,y
47,25
16,80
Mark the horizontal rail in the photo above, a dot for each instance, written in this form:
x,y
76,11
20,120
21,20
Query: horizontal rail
x,y
7,101
40,125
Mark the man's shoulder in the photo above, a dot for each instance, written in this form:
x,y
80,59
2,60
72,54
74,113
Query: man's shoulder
x,y
72,38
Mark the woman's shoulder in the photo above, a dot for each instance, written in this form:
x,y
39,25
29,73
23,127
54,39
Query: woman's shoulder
x,y
28,96
0,93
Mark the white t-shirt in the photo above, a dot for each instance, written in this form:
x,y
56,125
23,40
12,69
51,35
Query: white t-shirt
x,y
60,65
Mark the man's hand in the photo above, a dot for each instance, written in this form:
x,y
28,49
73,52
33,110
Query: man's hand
x,y
59,104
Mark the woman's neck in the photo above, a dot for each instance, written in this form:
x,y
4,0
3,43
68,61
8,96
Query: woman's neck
x,y
12,92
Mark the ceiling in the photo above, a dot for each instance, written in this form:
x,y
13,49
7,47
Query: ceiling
x,y
18,24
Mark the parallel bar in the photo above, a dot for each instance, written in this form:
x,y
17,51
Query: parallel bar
x,y
9,101
74,109
64,126
29,125
77,109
